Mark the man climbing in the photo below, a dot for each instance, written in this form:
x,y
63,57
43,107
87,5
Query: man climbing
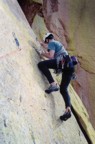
x,y
58,58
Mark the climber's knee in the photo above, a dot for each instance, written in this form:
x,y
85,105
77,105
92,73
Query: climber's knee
x,y
40,65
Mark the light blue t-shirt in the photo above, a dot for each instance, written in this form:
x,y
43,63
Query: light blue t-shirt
x,y
55,45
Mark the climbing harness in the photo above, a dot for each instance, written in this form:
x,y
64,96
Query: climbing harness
x,y
68,61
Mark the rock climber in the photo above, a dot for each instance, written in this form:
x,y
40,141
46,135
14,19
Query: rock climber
x,y
58,58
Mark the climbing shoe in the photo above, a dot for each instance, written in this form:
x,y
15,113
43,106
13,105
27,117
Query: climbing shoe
x,y
65,116
52,88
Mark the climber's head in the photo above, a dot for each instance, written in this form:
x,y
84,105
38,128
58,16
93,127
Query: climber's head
x,y
47,37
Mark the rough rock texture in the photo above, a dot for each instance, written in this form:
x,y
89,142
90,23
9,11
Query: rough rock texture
x,y
39,27
27,115
73,22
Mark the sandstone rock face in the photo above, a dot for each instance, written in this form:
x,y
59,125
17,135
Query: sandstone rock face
x,y
73,24
27,115
39,27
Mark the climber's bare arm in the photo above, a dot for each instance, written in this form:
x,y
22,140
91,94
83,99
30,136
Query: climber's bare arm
x,y
49,54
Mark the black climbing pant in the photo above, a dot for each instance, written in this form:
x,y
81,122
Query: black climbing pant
x,y
66,78
44,66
